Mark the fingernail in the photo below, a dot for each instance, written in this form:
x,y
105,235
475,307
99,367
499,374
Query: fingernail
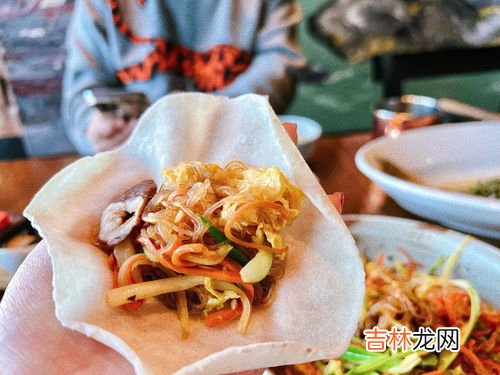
x,y
340,196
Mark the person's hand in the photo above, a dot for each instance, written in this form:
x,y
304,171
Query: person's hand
x,y
34,341
107,131
337,198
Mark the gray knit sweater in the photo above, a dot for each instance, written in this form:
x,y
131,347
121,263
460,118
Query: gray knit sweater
x,y
226,47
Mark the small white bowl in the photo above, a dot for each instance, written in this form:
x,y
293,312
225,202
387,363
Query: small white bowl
x,y
308,131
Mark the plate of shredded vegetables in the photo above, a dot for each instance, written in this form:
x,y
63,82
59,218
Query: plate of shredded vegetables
x,y
421,276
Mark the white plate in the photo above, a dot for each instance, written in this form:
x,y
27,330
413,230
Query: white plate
x,y
479,262
10,260
392,236
444,155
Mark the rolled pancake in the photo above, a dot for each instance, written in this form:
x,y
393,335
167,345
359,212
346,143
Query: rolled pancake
x,y
318,301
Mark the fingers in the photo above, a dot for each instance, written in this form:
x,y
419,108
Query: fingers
x,y
291,129
37,342
31,282
106,131
105,125
119,137
337,200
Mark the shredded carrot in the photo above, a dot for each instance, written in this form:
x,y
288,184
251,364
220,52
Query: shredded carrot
x,y
492,318
213,273
452,306
132,306
221,316
494,367
235,267
489,345
480,332
449,306
114,267
474,360
410,268
434,372
254,206
111,261
379,261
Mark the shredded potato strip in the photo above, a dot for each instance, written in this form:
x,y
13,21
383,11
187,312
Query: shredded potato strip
x,y
147,289
182,312
125,294
129,273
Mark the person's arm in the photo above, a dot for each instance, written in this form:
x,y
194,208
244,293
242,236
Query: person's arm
x,y
88,65
277,50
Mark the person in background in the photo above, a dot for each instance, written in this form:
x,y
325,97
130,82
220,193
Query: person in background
x,y
222,47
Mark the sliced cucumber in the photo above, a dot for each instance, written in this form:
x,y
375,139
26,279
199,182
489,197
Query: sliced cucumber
x,y
257,268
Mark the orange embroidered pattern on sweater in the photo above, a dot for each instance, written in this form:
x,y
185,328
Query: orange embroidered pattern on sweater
x,y
209,70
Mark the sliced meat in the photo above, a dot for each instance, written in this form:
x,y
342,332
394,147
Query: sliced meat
x,y
124,214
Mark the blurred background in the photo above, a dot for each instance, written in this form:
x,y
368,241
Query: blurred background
x,y
341,84
342,103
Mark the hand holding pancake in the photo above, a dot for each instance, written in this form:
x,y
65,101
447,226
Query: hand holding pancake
x,y
38,341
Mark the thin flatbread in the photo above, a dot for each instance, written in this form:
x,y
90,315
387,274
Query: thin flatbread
x,y
318,301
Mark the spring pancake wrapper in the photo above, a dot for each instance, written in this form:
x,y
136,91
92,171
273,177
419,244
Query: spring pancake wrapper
x,y
318,301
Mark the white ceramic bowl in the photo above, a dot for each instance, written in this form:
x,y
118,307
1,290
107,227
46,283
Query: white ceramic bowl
x,y
443,155
308,131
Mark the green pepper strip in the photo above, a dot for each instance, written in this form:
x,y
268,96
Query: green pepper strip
x,y
367,362
357,354
219,237
371,365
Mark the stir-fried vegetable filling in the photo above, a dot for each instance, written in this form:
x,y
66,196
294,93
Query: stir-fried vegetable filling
x,y
400,296
207,242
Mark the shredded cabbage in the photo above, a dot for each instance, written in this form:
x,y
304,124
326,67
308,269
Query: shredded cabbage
x,y
209,241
